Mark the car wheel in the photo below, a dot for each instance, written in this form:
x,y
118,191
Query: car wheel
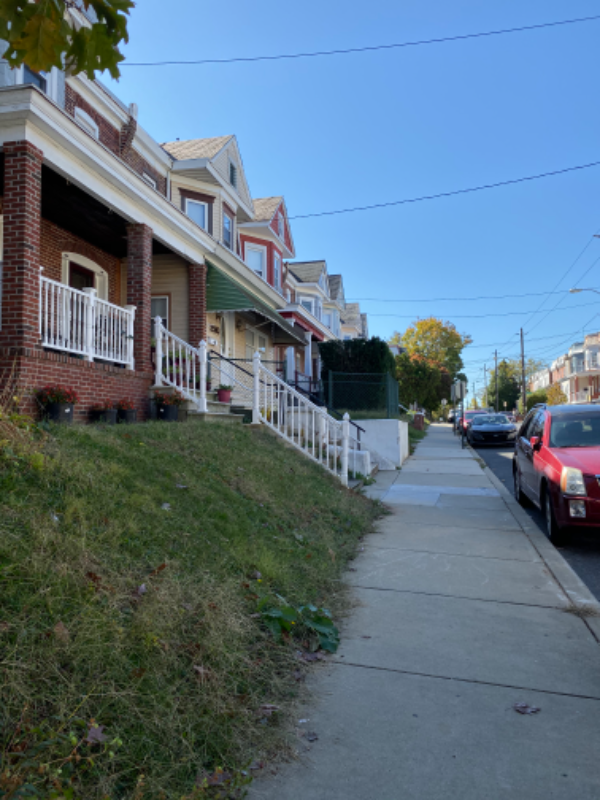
x,y
556,534
520,496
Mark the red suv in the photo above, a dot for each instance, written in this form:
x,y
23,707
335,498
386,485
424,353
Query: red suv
x,y
556,465
465,419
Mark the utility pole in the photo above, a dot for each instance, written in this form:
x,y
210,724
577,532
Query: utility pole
x,y
523,385
485,384
473,390
496,376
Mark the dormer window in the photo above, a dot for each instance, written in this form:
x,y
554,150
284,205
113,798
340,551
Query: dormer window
x,y
233,176
198,211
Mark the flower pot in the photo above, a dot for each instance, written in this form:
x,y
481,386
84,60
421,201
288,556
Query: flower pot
x,y
224,395
61,413
108,416
127,415
168,413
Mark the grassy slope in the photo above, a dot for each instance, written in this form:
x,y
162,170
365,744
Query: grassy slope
x,y
177,670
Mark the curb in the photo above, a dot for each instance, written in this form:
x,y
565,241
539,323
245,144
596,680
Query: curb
x,y
571,584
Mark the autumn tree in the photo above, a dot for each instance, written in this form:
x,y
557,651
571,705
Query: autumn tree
x,y
437,341
54,33
419,381
555,395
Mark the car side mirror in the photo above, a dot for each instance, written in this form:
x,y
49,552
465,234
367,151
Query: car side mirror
x,y
535,442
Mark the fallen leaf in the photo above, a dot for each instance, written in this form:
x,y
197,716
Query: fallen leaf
x,y
93,577
95,735
308,555
158,569
525,708
137,673
311,737
257,765
61,633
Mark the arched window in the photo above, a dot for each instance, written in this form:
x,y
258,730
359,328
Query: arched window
x,y
80,272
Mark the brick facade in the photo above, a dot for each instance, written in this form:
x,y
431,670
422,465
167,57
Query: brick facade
x,y
197,300
139,291
21,267
35,368
55,241
118,141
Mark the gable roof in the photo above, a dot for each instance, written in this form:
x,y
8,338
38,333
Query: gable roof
x,y
335,284
196,148
265,208
308,271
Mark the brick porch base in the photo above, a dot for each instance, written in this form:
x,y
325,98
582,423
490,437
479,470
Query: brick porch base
x,y
93,382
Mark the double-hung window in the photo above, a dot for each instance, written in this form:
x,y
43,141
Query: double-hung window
x,y
307,304
277,271
255,258
197,211
227,230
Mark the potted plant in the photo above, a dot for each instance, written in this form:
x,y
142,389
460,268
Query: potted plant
x,y
126,411
57,403
167,406
104,411
224,393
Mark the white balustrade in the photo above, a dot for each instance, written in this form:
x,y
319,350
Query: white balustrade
x,y
300,422
180,365
79,322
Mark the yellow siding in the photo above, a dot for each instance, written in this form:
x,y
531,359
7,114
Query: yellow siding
x,y
170,277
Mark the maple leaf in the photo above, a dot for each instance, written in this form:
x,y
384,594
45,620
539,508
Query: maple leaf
x,y
61,632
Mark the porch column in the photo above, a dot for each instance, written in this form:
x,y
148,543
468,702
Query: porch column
x,y
22,221
308,355
197,295
139,291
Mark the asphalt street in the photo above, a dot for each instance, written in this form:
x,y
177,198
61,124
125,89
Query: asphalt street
x,y
583,551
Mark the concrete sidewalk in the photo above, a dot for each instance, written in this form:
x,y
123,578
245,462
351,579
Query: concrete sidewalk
x,y
461,614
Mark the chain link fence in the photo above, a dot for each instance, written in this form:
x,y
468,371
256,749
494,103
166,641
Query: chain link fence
x,y
368,394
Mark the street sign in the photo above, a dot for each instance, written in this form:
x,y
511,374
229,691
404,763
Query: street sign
x,y
444,402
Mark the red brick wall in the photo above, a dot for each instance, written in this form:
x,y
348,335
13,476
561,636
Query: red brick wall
x,y
110,137
92,382
22,217
55,241
139,291
197,294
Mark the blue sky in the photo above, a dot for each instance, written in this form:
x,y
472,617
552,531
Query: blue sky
x,y
345,131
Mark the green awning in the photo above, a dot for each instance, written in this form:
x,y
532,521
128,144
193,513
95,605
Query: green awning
x,y
225,294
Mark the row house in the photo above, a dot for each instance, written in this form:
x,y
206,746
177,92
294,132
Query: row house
x,y
577,372
103,229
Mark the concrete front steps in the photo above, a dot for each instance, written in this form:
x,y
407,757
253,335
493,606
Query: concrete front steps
x,y
217,412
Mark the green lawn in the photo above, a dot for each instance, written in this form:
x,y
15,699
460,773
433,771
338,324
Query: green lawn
x,y
133,563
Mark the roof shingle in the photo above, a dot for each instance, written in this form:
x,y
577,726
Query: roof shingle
x,y
196,148
265,208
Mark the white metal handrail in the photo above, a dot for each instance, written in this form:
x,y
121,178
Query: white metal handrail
x,y
299,421
79,322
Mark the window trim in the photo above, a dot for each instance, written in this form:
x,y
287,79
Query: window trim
x,y
198,203
229,214
257,248
89,125
152,182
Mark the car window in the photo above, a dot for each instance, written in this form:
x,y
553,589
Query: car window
x,y
536,427
490,419
575,430
525,427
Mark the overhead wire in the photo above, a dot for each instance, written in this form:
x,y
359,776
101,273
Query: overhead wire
x,y
364,49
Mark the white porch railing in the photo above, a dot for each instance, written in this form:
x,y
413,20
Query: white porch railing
x,y
79,322
180,365
300,422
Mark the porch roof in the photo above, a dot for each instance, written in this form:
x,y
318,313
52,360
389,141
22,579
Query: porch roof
x,y
225,294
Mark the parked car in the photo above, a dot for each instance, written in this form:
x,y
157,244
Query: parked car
x,y
451,415
556,466
491,429
467,418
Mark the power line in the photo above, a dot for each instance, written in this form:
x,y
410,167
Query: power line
x,y
365,49
478,316
452,299
447,194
